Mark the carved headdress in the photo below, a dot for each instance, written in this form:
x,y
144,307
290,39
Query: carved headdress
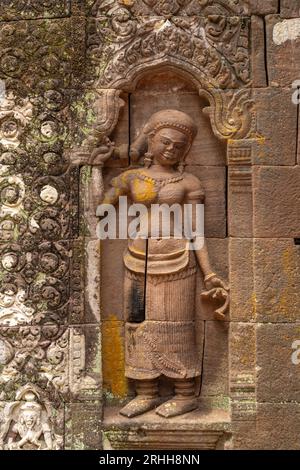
x,y
168,118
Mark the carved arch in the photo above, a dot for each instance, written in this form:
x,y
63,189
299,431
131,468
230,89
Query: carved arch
x,y
231,112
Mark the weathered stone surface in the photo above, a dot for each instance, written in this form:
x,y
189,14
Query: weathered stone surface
x,y
256,7
259,73
240,205
83,426
37,51
85,358
272,135
35,354
63,362
242,307
215,362
276,272
21,9
290,8
277,376
177,8
112,268
283,43
276,202
278,426
244,435
242,347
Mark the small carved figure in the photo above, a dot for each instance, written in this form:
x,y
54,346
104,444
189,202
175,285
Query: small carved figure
x,y
27,424
160,314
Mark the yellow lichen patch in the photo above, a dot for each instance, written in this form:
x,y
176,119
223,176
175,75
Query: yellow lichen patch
x,y
144,191
261,140
128,3
288,260
113,357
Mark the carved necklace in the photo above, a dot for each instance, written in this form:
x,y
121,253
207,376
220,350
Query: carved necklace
x,y
160,181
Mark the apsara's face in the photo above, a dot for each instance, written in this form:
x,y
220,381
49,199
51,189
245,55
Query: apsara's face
x,y
168,146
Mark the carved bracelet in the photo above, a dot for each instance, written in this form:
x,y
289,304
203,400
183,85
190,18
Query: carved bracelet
x,y
209,277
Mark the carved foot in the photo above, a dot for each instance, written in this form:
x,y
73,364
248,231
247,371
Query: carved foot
x,y
177,406
140,405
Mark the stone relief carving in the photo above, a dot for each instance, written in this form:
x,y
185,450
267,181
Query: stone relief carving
x,y
41,284
160,315
174,7
13,118
214,47
211,51
27,423
39,200
11,9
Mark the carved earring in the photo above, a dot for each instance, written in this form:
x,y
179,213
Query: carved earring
x,y
181,167
148,159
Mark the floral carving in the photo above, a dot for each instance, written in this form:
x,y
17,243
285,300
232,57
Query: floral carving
x,y
215,47
13,119
11,9
167,8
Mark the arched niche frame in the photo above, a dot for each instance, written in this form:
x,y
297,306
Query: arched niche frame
x,y
232,120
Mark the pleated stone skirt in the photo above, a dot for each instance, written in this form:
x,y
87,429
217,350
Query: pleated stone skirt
x,y
160,333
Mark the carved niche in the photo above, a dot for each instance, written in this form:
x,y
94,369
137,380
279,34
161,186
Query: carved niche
x,y
129,41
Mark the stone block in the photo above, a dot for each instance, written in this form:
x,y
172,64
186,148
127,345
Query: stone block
x,y
278,378
205,428
258,65
244,435
283,50
257,7
275,146
240,206
277,280
215,361
242,347
242,295
85,368
277,426
83,426
35,354
290,8
276,207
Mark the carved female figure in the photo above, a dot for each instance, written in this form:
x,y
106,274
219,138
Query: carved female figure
x,y
160,313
